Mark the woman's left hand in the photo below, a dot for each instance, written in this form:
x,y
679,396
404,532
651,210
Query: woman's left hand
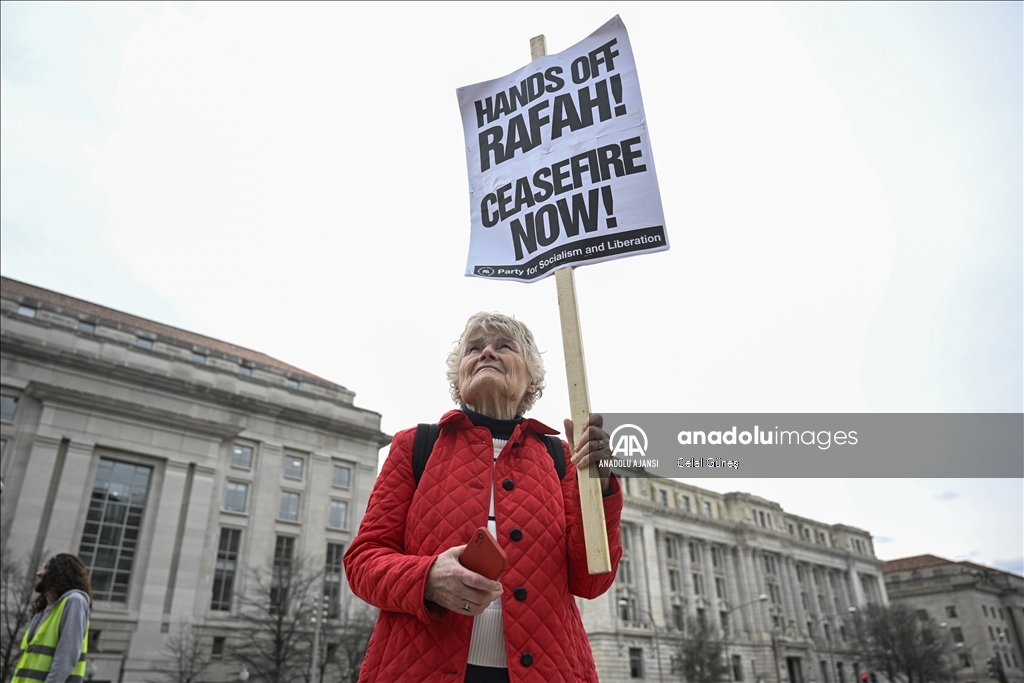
x,y
594,446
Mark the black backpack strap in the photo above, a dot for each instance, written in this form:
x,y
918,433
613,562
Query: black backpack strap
x,y
422,445
554,445
426,436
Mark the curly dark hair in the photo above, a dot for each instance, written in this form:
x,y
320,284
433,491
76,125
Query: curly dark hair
x,y
62,573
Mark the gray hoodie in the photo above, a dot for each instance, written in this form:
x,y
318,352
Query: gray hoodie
x,y
73,623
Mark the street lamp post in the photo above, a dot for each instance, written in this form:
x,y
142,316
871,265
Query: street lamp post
x,y
657,647
728,660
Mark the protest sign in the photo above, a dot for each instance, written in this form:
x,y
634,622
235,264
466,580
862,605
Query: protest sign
x,y
560,165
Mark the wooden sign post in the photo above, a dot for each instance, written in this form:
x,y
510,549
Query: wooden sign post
x,y
595,534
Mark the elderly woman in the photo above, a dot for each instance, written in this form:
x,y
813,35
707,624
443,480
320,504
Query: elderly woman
x,y
490,467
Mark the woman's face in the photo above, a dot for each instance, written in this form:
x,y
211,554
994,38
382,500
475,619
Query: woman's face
x,y
492,370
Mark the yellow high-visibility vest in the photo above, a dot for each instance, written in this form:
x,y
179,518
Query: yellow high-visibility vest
x,y
37,654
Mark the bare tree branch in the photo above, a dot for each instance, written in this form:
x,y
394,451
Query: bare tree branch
x,y
274,641
186,658
17,583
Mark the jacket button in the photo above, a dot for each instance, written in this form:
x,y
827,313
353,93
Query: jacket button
x,y
516,534
507,485
526,659
520,593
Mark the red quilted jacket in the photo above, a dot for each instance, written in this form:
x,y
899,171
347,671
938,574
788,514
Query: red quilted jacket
x,y
406,527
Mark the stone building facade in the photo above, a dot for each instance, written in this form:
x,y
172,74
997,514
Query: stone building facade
x,y
172,463
981,609
779,588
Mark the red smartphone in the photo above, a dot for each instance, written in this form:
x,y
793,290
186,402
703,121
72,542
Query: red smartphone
x,y
483,555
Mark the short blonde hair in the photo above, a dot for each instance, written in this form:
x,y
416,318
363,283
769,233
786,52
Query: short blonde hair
x,y
514,329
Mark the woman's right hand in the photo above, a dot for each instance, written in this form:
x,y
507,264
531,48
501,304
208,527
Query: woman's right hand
x,y
458,589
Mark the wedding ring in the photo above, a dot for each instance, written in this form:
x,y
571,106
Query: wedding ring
x,y
465,605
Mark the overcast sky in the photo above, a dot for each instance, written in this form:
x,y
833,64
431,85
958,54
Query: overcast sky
x,y
842,186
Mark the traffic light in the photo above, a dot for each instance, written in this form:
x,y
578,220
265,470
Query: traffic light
x,y
994,665
864,678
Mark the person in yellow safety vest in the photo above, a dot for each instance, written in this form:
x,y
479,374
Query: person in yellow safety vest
x,y
54,646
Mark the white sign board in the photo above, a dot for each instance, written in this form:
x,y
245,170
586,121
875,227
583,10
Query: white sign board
x,y
560,165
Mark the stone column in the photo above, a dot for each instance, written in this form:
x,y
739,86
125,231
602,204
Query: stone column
x,y
800,614
684,557
858,592
760,619
652,575
789,595
709,582
738,594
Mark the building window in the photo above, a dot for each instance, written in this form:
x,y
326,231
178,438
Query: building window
x,y
625,574
244,371
241,456
144,343
737,668
663,497
292,383
761,515
686,503
112,527
86,328
707,509
670,550
339,514
289,506
965,661
280,580
723,620
333,580
224,571
698,584
922,615
342,476
700,617
293,466
8,406
27,311
694,553
94,639
217,650
957,633
677,617
198,358
716,556
719,587
235,496
636,662
839,672
673,580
